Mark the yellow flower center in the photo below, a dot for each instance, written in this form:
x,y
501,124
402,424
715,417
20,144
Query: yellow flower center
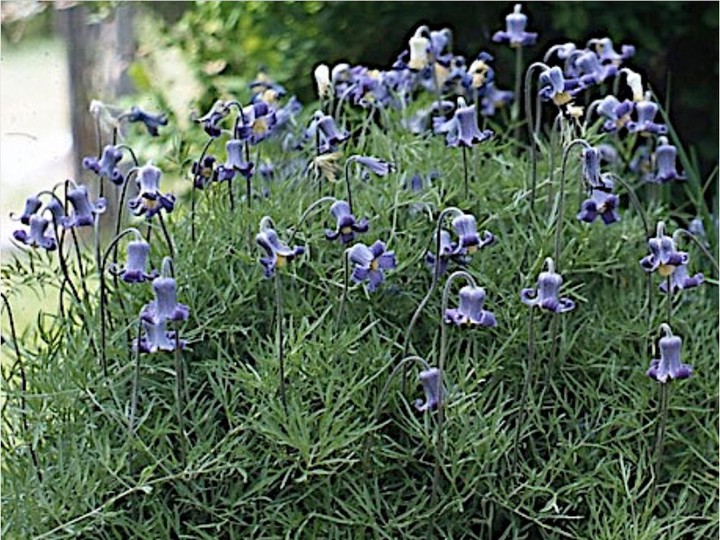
x,y
374,265
346,230
561,98
666,270
472,249
260,126
281,261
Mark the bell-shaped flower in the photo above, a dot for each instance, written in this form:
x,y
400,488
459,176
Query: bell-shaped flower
x,y
547,294
469,241
84,211
419,46
137,257
434,394
590,70
446,253
470,311
149,200
32,205
347,225
616,113
515,34
322,80
664,256
606,51
151,121
36,237
375,165
480,71
602,202
646,111
697,229
165,306
106,166
554,86
462,128
204,172
278,254
56,209
665,161
669,366
370,263
681,280
235,162
591,166
330,135
211,120
493,98
257,122
157,338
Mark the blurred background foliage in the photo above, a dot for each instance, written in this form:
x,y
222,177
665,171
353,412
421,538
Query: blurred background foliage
x,y
676,43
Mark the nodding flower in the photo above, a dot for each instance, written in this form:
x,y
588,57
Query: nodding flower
x,y
591,166
84,211
322,80
664,257
278,254
211,120
665,160
56,209
204,172
515,34
646,111
151,121
546,296
469,241
434,394
470,311
554,86
157,338
375,165
36,237
106,166
330,135
370,262
446,253
668,366
134,271
256,122
32,205
462,128
494,98
150,201
347,225
235,162
606,51
480,71
602,202
165,306
681,280
590,70
419,48
616,113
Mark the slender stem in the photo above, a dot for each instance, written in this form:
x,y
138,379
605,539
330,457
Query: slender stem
x,y
465,171
348,189
192,191
63,262
532,132
121,204
248,181
660,439
346,286
698,243
669,299
78,254
634,201
393,374
166,235
307,213
561,199
23,385
280,349
518,87
526,387
132,154
135,383
179,377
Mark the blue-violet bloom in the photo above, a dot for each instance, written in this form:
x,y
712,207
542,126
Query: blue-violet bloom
x,y
669,366
546,296
469,241
681,280
204,172
152,121
602,202
646,111
84,211
430,380
36,237
665,160
515,33
32,205
137,256
278,254
150,201
664,257
106,166
235,162
165,306
462,128
347,225
370,263
157,338
470,311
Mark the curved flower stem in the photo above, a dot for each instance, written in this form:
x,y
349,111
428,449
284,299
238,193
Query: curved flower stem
x,y
132,154
393,374
657,454
62,261
103,295
280,349
561,200
166,235
135,383
669,299
76,242
526,387
348,190
533,133
194,184
433,284
23,385
121,204
634,201
307,213
346,286
441,366
698,243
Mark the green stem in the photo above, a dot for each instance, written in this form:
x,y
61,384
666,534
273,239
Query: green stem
x,y
280,351
526,387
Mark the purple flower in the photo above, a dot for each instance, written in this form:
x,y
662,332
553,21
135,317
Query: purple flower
x,y
137,256
370,263
447,249
470,312
591,166
257,122
606,52
469,240
664,257
515,33
330,136
546,296
32,205
347,226
235,162
152,121
430,380
36,237
156,338
56,209
84,211
646,111
150,201
165,306
590,70
617,114
665,157
462,128
278,254
374,165
204,172
681,280
493,99
601,203
554,86
669,366
211,121
106,166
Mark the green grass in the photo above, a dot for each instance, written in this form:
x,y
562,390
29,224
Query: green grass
x,y
329,469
